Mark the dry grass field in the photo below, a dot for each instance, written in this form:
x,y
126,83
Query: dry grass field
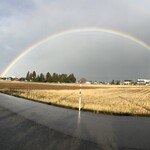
x,y
107,99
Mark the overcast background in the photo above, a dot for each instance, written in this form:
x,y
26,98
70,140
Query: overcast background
x,y
92,55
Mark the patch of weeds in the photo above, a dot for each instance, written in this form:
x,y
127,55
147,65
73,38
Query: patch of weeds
x,y
133,110
41,96
10,91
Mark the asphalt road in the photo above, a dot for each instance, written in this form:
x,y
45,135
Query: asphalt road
x,y
29,125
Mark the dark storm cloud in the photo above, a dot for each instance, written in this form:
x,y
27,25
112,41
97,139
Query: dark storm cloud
x,y
98,58
23,23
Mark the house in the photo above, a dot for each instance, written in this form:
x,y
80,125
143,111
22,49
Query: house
x,y
127,82
143,82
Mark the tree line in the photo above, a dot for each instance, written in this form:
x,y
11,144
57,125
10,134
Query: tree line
x,y
55,78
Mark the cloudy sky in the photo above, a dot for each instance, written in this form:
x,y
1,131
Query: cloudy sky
x,y
92,55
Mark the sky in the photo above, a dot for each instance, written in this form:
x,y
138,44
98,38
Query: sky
x,y
93,55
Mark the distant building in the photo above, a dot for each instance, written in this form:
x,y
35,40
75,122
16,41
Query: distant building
x,y
12,78
88,82
127,82
143,81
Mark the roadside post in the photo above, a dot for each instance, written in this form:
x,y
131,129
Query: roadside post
x,y
80,96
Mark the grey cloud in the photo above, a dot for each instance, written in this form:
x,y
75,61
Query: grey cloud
x,y
9,8
33,20
101,59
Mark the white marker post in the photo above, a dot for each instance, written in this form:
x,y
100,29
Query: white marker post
x,y
80,96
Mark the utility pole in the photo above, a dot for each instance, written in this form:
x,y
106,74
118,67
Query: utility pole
x,y
80,96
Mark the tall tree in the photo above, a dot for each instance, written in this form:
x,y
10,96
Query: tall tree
x,y
42,78
71,78
48,77
63,78
37,78
83,80
113,82
31,76
34,76
28,76
55,77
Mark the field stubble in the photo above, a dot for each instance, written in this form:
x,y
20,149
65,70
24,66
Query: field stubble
x,y
121,100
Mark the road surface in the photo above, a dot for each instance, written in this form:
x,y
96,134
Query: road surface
x,y
31,125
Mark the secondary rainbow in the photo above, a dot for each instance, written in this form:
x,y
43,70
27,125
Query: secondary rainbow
x,y
54,36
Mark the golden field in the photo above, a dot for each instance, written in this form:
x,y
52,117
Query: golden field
x,y
107,99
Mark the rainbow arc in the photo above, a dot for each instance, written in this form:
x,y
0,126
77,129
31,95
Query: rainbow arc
x,y
79,30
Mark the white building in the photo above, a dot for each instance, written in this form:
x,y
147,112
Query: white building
x,y
143,81
127,82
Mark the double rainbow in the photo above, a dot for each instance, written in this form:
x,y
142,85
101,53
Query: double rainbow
x,y
79,30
